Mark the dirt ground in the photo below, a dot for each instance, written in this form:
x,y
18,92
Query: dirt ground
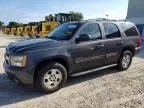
x,y
108,88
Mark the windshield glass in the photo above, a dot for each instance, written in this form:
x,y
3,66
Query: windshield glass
x,y
64,31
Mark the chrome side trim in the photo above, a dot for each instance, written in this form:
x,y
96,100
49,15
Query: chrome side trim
x,y
82,59
93,70
112,54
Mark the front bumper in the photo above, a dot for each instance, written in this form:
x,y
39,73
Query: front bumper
x,y
19,75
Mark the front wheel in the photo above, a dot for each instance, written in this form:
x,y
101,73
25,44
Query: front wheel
x,y
125,60
51,77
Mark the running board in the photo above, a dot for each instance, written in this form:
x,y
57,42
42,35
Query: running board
x,y
93,70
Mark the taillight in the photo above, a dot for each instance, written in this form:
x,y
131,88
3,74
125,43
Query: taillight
x,y
139,41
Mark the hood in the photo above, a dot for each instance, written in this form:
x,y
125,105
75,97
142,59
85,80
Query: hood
x,y
32,44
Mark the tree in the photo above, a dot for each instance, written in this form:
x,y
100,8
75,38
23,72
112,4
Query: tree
x,y
14,24
50,17
1,23
76,16
33,23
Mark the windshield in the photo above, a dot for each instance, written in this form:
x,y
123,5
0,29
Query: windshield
x,y
64,31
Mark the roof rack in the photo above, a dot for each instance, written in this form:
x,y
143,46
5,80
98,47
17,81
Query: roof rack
x,y
122,20
96,19
103,19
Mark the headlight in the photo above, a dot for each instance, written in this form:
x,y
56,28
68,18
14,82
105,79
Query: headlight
x,y
18,61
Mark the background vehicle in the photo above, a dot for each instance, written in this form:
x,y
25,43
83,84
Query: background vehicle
x,y
20,31
7,31
72,49
48,27
13,31
44,27
40,29
34,31
27,30
3,29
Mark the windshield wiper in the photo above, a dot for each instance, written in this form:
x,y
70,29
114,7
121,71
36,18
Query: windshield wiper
x,y
56,38
52,37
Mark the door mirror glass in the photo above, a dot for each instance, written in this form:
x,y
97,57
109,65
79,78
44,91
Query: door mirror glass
x,y
83,37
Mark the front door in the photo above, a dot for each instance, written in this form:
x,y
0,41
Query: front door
x,y
89,54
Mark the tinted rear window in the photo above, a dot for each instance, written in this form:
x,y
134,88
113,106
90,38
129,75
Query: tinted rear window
x,y
129,29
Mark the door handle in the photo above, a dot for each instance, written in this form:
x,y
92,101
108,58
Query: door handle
x,y
99,45
120,43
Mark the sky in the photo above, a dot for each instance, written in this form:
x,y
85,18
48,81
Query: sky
x,y
24,11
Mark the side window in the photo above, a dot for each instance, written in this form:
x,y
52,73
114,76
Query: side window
x,y
111,30
129,29
93,30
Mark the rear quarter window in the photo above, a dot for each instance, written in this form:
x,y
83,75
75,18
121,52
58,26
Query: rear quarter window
x,y
129,29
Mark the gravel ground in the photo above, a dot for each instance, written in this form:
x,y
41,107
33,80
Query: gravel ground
x,y
108,88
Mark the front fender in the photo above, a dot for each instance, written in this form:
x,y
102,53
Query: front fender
x,y
34,58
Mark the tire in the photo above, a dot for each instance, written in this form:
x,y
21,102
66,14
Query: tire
x,y
47,81
37,36
125,60
21,35
30,36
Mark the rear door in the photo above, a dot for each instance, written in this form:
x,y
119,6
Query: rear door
x,y
113,42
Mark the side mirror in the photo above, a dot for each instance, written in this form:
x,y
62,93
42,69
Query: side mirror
x,y
83,37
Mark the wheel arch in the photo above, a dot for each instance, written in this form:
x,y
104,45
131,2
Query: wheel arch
x,y
129,48
61,60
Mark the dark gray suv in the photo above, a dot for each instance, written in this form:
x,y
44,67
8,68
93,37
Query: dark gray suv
x,y
72,49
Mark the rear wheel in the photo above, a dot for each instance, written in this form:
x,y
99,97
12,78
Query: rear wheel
x,y
21,35
30,35
37,36
51,77
125,60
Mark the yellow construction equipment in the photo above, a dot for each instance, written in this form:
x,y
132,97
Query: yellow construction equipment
x,y
3,30
27,30
47,26
34,31
40,29
7,31
20,31
13,31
